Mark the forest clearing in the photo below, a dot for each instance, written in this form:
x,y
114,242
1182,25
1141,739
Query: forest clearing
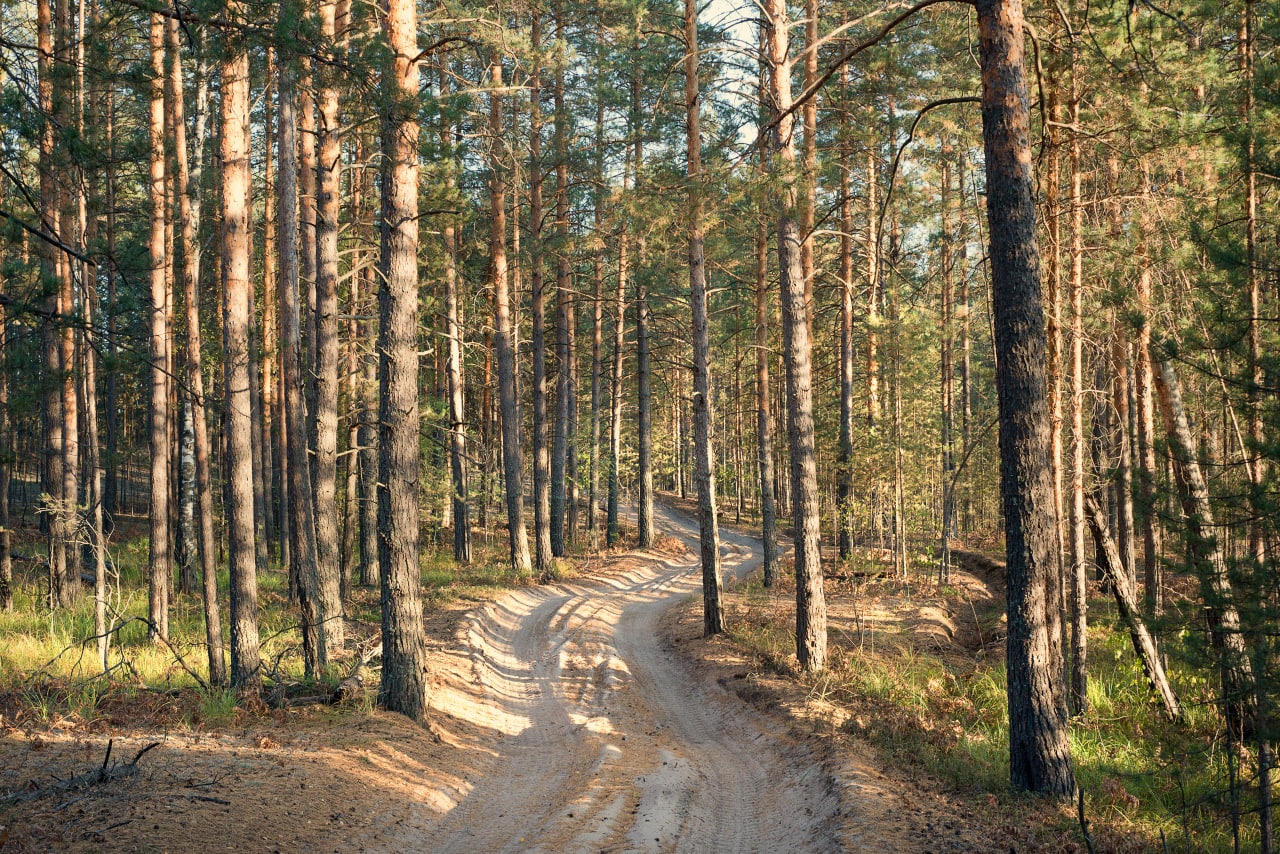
x,y
638,425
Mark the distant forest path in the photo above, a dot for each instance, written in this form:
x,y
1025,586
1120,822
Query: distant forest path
x,y
608,741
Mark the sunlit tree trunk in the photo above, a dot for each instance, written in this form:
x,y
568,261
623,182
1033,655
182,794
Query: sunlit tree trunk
x,y
455,330
811,609
563,459
160,558
597,319
612,530
505,338
302,532
1077,570
245,654
404,675
708,525
543,557
189,182
327,211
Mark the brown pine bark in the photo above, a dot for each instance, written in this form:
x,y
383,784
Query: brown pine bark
x,y
612,529
236,284
302,532
1039,754
844,474
159,558
811,611
51,397
563,456
708,525
1208,558
764,417
543,555
597,320
189,180
404,675
6,471
455,331
327,211
1127,606
1076,571
505,338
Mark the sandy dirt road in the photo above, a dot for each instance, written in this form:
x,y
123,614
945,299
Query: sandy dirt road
x,y
605,740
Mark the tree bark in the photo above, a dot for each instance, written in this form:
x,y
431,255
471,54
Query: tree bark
x,y
327,212
563,489
505,339
811,611
1039,754
302,532
1127,606
844,475
543,556
160,559
1077,572
1209,560
708,525
404,676
236,283
597,319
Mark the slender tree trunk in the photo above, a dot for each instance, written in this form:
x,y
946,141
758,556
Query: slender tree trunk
x,y
873,291
327,212
644,419
302,532
543,556
947,379
764,418
1209,559
1124,464
6,470
1079,581
811,610
597,319
615,398
1040,758
703,419
159,558
844,486
368,404
505,339
404,675
1145,422
1127,606
565,403
51,397
455,331
236,284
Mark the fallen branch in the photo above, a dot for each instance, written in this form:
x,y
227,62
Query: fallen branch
x,y
102,774
353,685
1126,603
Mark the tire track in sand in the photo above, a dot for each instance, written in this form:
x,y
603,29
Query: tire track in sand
x,y
607,743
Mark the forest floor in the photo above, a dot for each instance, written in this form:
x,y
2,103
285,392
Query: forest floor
x,y
588,715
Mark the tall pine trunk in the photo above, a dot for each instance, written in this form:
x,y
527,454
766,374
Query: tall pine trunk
x,y
327,211
505,339
302,531
811,609
159,557
404,676
708,525
236,284
543,556
1039,754
189,182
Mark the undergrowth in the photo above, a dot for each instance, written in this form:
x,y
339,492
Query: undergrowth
x,y
943,712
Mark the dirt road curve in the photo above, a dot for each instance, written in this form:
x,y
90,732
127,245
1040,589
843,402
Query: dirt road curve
x,y
609,743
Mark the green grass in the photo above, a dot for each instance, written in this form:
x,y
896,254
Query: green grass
x,y
947,715
49,664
